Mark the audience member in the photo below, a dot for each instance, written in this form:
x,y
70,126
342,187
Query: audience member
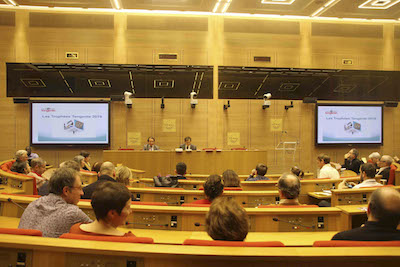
x,y
180,171
107,173
20,167
213,188
351,161
80,160
384,166
123,175
230,178
374,158
38,167
258,173
96,166
56,213
289,189
150,146
86,160
227,220
21,155
383,218
297,171
188,144
111,203
30,154
367,177
326,170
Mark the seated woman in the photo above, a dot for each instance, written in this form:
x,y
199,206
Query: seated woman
x,y
111,205
86,160
227,220
297,171
123,175
213,188
231,179
20,167
80,160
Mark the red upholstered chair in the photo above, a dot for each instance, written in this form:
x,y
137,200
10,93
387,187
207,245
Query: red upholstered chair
x,y
7,165
287,206
218,243
340,243
233,189
392,175
16,231
145,240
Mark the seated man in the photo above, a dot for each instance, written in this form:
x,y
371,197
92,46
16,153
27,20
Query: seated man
x,y
383,218
20,167
326,170
38,167
227,220
367,176
80,160
258,173
150,144
289,189
31,155
21,155
188,144
213,188
86,160
351,162
297,171
111,203
374,158
180,171
56,213
384,166
107,173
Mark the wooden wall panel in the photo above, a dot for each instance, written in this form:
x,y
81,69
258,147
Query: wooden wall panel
x,y
371,62
235,57
39,54
102,55
175,51
61,51
195,57
287,59
339,61
262,53
172,111
236,120
140,55
261,136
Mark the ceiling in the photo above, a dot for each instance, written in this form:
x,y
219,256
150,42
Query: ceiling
x,y
364,9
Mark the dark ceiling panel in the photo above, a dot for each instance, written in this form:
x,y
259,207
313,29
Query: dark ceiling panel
x,y
7,18
347,30
261,26
167,23
61,20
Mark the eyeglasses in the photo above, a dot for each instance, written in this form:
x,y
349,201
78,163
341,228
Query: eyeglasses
x,y
77,187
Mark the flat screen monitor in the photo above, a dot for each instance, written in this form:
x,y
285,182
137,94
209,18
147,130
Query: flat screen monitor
x,y
349,124
70,123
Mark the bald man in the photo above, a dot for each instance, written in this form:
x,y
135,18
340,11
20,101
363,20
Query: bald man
x,y
107,173
383,218
289,189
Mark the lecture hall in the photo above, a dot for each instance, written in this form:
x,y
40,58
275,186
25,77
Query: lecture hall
x,y
199,133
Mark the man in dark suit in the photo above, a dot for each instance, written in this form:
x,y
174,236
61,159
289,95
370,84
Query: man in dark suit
x,y
107,174
351,161
188,144
383,218
150,146
384,166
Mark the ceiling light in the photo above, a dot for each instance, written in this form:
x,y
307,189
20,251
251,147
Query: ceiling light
x,y
216,6
316,13
330,3
10,2
116,5
278,2
378,4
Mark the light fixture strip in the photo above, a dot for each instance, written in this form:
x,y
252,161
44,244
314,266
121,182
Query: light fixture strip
x,y
316,13
329,3
117,4
216,6
11,2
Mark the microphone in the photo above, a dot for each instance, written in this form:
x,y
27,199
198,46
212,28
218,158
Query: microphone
x,y
15,203
292,223
147,224
197,224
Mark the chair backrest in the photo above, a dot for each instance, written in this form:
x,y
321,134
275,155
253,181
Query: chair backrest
x,y
218,243
340,243
36,196
16,231
145,240
288,206
392,175
232,189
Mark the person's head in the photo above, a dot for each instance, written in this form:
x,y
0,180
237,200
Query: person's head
x,y
38,165
230,178
86,155
107,168
20,167
180,168
368,171
188,140
385,161
323,159
123,174
151,140
227,220
261,169
80,160
21,155
384,207
289,186
375,157
96,166
71,164
353,153
111,203
297,171
66,182
213,187
28,150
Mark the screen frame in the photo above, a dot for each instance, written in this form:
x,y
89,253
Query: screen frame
x,y
71,102
347,105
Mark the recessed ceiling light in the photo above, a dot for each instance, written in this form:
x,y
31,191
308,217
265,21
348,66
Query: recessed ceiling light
x,y
278,2
379,4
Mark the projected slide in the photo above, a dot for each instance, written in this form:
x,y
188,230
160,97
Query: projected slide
x,y
70,123
349,124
